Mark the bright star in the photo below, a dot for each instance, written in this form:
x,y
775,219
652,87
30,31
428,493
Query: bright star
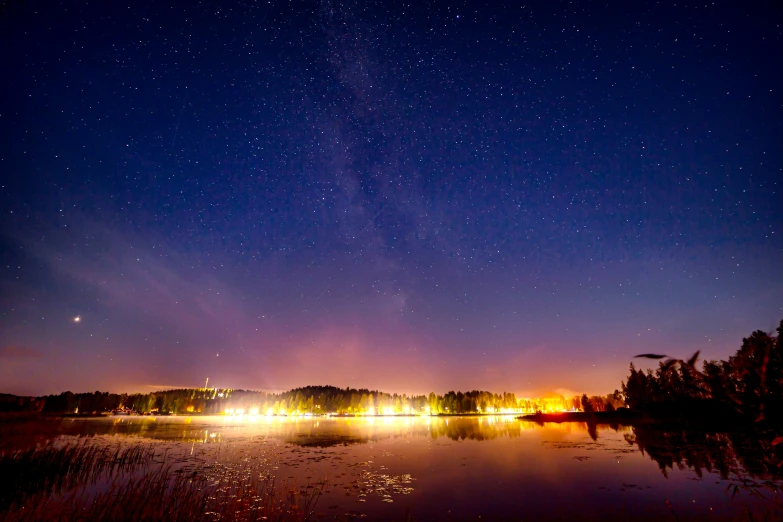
x,y
77,319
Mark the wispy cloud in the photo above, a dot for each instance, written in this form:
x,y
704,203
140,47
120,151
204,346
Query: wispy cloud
x,y
144,276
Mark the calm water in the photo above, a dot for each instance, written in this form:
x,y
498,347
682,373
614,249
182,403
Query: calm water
x,y
466,468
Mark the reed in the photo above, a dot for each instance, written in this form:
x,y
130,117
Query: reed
x,y
138,482
162,495
54,469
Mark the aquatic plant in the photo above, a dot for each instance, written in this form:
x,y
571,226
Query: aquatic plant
x,y
141,482
52,469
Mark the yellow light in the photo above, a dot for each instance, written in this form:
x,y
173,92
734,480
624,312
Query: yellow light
x,y
370,411
240,411
270,412
253,411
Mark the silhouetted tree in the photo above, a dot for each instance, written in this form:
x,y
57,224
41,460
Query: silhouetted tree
x,y
587,406
749,383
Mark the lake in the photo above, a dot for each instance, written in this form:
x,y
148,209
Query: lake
x,y
449,468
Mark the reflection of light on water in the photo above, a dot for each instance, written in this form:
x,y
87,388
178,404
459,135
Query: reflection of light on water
x,y
356,429
504,446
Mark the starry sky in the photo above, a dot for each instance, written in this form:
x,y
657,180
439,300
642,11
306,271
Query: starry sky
x,y
412,196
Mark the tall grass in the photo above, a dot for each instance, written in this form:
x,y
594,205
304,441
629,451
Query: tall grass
x,y
163,495
87,481
51,469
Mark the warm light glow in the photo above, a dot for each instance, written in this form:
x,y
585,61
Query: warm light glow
x,y
77,319
270,412
253,411
370,411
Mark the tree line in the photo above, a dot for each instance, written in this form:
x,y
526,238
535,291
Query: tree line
x,y
305,400
749,383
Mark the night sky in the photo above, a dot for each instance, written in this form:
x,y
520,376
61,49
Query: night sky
x,y
413,198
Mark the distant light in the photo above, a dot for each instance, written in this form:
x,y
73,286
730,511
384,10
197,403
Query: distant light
x,y
77,319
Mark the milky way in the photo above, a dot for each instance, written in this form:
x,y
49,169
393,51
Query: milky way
x,y
406,197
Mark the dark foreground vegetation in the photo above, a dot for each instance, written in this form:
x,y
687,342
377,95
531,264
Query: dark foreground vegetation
x,y
140,482
746,388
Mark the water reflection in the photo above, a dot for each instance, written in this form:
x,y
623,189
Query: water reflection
x,y
745,455
358,431
318,433
423,461
749,457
